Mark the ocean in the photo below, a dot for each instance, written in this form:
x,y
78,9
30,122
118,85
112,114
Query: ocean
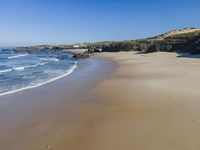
x,y
22,70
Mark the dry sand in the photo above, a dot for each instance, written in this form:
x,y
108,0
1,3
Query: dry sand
x,y
154,103
149,102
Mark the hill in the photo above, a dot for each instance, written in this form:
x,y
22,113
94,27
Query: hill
x,y
184,40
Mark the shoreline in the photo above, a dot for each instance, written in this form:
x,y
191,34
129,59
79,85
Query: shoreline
x,y
46,115
68,72
115,101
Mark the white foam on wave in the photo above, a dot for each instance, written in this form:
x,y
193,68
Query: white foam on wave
x,y
18,68
16,56
21,68
25,67
39,64
4,71
50,59
68,72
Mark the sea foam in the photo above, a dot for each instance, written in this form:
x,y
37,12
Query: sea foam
x,y
67,72
17,56
20,71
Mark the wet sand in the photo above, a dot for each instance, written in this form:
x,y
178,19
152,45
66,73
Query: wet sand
x,y
147,102
56,116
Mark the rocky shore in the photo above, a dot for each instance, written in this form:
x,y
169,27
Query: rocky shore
x,y
184,40
77,53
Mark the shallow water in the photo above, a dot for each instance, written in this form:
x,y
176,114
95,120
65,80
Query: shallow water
x,y
22,70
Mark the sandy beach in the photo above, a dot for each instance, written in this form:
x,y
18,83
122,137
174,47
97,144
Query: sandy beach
x,y
58,115
153,103
115,101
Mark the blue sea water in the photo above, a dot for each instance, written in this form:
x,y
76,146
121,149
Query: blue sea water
x,y
22,70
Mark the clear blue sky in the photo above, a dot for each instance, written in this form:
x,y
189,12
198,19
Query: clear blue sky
x,y
31,22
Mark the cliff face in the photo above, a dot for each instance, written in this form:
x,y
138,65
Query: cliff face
x,y
185,40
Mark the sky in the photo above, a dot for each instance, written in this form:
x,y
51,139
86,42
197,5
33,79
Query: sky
x,y
35,22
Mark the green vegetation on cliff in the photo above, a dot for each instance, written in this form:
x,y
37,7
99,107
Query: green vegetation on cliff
x,y
185,40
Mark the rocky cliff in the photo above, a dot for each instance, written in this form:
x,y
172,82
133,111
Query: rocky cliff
x,y
184,40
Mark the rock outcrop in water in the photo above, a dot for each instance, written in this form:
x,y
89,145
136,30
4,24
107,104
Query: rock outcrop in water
x,y
77,53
